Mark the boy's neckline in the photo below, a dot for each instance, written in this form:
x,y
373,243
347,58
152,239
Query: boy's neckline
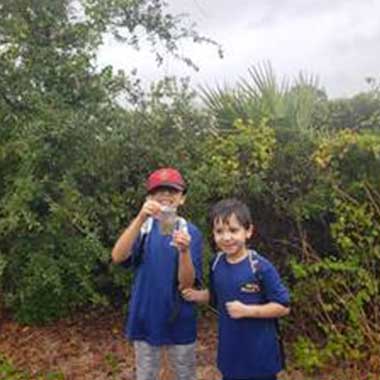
x,y
238,260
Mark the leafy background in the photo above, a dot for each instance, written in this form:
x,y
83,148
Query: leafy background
x,y
76,143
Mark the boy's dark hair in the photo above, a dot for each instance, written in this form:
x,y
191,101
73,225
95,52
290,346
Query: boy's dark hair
x,y
227,207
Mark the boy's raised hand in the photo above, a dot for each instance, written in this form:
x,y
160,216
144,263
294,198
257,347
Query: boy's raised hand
x,y
181,239
150,208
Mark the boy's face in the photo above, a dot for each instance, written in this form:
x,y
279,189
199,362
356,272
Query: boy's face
x,y
231,236
168,196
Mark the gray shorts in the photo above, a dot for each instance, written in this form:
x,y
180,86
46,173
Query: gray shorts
x,y
181,359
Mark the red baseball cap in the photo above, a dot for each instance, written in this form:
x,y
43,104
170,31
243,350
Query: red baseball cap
x,y
169,177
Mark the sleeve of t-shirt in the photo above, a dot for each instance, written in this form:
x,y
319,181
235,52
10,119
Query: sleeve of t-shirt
x,y
133,260
275,290
196,249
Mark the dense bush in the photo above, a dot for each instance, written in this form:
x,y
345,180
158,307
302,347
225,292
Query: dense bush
x,y
73,160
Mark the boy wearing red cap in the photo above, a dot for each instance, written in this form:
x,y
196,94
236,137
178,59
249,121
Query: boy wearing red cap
x,y
164,265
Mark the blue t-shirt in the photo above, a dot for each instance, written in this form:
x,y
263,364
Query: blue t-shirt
x,y
248,347
157,313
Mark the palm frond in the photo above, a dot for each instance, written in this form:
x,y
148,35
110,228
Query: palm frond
x,y
224,103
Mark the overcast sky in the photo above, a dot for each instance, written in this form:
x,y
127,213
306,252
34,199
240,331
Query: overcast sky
x,y
336,40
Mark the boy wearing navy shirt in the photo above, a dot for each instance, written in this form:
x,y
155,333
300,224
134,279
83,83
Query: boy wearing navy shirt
x,y
164,265
249,297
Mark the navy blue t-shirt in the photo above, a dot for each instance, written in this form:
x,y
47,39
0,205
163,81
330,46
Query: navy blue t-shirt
x,y
157,313
248,347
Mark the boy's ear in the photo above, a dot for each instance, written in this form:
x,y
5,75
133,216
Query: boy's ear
x,y
251,231
183,199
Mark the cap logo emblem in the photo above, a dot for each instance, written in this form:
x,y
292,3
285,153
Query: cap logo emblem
x,y
164,175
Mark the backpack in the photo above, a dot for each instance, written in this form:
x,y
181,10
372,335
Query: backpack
x,y
253,258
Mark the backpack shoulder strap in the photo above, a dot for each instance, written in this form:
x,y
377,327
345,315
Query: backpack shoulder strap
x,y
181,224
253,258
216,260
144,232
147,226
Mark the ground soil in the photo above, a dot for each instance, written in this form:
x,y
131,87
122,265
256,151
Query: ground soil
x,y
91,346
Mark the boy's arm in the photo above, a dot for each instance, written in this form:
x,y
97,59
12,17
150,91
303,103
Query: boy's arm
x,y
186,266
195,295
186,271
276,294
122,249
237,309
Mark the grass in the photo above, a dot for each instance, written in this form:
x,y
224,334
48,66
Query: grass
x,y
9,372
